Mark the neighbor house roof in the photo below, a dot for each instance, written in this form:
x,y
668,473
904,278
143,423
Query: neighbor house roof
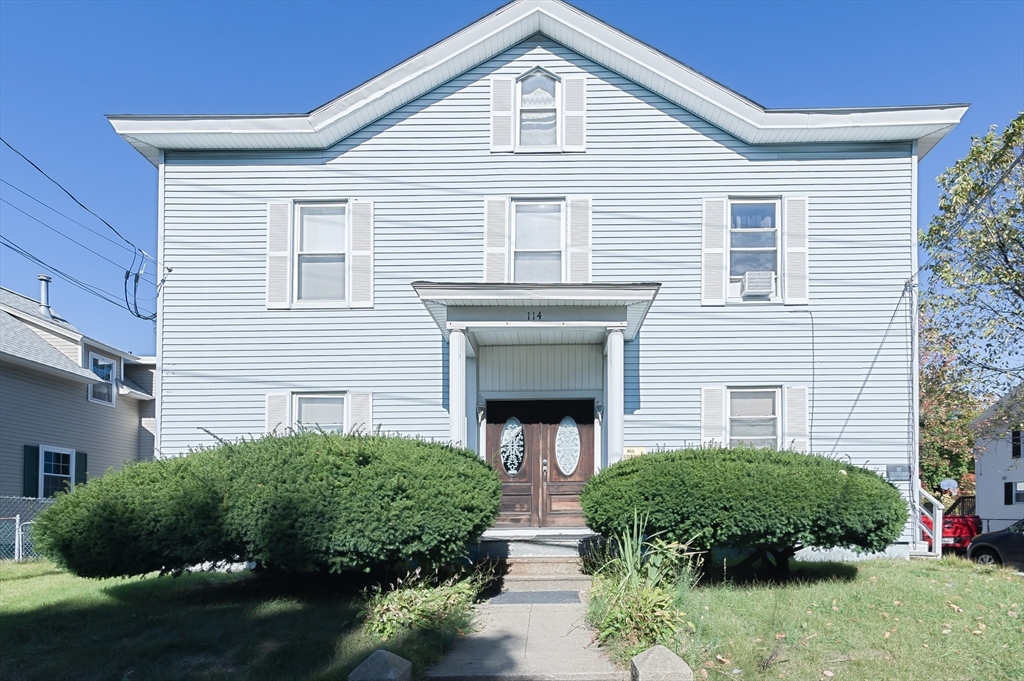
x,y
500,30
24,347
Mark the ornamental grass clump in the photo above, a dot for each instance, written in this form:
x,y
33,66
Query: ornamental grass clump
x,y
306,501
772,502
434,604
640,588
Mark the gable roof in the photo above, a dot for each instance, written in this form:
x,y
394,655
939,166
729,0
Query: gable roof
x,y
30,308
500,30
22,346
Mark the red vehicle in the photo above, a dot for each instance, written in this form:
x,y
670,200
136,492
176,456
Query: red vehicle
x,y
960,525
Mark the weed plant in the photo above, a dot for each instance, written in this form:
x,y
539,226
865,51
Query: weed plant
x,y
432,603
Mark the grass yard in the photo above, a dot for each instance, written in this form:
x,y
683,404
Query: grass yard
x,y
202,626
947,620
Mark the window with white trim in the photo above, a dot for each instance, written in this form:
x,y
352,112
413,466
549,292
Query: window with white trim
x,y
538,94
106,369
56,470
320,412
538,241
753,248
321,250
753,417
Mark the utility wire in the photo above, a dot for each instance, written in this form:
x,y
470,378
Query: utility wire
x,y
88,288
54,229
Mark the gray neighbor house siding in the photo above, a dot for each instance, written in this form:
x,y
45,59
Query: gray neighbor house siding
x,y
648,166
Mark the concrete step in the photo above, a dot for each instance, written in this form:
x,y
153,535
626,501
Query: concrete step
x,y
546,583
542,566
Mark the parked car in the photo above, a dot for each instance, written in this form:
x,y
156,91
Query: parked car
x,y
960,525
1002,547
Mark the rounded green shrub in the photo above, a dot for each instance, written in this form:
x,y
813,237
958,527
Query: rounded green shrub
x,y
302,501
747,498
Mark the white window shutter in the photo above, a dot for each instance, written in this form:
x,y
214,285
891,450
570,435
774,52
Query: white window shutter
x,y
714,252
797,426
361,254
579,239
503,91
360,413
574,114
794,231
712,415
279,258
278,408
496,239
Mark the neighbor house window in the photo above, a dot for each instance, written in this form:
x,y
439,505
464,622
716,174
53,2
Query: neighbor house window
x,y
538,110
106,369
320,413
1013,493
1015,444
538,241
321,249
753,243
754,417
56,468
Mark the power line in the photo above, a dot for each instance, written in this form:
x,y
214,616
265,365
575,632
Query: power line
x,y
88,288
66,217
73,198
74,241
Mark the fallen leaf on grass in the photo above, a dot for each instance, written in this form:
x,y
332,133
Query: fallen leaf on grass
x,y
956,608
722,659
828,673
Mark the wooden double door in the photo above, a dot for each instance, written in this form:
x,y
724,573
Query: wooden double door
x,y
543,451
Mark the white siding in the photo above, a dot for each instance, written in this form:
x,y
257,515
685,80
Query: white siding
x,y
647,167
532,368
994,466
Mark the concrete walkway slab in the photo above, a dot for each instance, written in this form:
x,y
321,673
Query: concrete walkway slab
x,y
528,642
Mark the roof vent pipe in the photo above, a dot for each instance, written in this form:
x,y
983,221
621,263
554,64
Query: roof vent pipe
x,y
44,296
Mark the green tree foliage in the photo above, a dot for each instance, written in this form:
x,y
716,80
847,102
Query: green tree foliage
x,y
975,247
775,502
948,406
305,501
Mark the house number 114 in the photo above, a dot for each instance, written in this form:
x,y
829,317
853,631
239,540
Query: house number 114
x,y
533,316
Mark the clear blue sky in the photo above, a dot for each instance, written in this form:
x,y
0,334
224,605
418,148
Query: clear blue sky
x,y
64,65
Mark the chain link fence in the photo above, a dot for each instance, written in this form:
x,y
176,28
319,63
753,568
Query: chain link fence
x,y
17,518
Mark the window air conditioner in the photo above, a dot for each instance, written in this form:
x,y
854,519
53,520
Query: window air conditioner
x,y
758,285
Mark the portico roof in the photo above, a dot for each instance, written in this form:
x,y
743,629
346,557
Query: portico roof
x,y
514,314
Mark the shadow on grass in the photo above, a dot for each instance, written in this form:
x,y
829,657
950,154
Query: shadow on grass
x,y
205,626
718,573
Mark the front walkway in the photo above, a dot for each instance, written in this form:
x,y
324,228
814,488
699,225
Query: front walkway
x,y
528,642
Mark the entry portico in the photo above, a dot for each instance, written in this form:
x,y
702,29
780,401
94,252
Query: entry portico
x,y
555,346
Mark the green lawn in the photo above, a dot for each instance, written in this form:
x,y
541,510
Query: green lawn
x,y
202,626
947,620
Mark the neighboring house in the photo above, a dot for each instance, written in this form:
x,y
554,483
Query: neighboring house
x,y
998,469
551,243
71,407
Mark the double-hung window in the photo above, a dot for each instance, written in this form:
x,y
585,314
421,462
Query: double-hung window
x,y
753,246
106,369
538,241
320,413
753,417
321,250
538,111
57,466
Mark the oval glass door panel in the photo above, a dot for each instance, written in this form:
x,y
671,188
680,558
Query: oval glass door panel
x,y
512,446
567,446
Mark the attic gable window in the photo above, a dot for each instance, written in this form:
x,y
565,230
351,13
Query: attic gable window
x,y
538,110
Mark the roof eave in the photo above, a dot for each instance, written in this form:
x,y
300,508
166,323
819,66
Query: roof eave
x,y
47,369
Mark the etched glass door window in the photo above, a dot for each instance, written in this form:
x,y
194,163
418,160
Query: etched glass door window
x,y
513,446
567,446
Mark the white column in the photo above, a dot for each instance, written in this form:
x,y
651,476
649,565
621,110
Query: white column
x,y
615,406
457,387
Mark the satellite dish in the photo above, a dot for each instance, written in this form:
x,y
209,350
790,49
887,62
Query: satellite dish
x,y
949,484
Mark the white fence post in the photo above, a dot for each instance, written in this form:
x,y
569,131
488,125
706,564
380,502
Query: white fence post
x,y
17,538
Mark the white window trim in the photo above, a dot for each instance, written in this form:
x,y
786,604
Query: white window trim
x,y
1018,493
779,410
517,109
296,235
58,450
563,242
293,417
113,380
732,288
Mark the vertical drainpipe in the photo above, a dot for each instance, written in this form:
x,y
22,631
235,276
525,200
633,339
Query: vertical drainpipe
x,y
915,397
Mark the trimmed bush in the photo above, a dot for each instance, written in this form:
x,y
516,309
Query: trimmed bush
x,y
776,502
304,501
